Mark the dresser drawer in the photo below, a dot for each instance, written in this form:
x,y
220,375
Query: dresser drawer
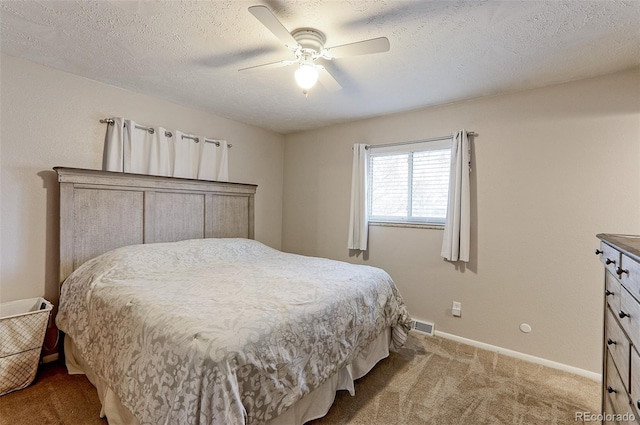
x,y
630,275
609,412
629,314
618,346
612,291
616,391
635,381
610,257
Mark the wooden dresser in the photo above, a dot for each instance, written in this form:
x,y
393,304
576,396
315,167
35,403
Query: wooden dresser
x,y
621,355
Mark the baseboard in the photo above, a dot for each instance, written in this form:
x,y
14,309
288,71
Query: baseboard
x,y
50,358
522,356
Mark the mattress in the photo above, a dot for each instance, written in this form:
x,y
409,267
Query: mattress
x,y
223,331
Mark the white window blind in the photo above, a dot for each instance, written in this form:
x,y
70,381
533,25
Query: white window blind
x,y
410,185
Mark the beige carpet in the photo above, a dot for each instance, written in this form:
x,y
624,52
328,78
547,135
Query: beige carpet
x,y
430,381
441,382
55,398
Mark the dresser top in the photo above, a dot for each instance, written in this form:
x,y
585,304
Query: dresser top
x,y
628,244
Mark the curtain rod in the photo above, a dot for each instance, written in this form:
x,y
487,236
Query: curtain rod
x,y
111,121
433,139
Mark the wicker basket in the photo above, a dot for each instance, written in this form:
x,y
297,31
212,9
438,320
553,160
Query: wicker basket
x,y
23,325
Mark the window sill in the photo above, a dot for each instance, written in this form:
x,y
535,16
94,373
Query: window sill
x,y
407,225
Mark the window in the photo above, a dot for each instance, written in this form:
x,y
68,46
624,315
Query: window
x,y
409,183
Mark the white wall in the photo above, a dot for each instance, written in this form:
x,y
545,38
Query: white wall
x,y
552,167
51,118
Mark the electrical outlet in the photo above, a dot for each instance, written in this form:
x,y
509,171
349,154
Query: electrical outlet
x,y
456,310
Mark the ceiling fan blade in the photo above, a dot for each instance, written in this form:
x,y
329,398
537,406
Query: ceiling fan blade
x,y
365,47
327,80
269,65
269,20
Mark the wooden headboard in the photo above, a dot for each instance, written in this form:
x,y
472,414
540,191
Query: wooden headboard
x,y
103,210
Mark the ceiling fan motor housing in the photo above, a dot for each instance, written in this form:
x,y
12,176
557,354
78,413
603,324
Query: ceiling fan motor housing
x,y
310,39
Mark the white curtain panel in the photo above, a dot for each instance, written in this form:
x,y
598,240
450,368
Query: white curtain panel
x,y
187,156
214,160
142,150
223,161
163,153
158,148
456,240
358,223
113,154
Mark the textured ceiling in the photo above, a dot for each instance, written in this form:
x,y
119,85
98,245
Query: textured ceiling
x,y
189,52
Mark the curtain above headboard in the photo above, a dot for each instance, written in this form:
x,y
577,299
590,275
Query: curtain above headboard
x,y
132,148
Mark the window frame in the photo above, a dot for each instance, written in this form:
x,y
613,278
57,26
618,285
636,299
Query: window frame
x,y
405,148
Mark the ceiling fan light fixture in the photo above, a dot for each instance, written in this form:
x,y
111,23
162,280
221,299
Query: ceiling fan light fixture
x,y
306,76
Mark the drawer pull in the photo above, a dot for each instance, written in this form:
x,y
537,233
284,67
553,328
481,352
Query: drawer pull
x,y
610,341
611,390
620,271
610,261
608,292
638,403
622,314
598,252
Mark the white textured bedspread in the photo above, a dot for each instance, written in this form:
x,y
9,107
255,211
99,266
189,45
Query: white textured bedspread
x,y
222,331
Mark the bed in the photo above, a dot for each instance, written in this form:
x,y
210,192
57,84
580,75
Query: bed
x,y
177,315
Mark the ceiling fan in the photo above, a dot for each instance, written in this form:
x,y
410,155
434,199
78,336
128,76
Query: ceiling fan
x,y
307,44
